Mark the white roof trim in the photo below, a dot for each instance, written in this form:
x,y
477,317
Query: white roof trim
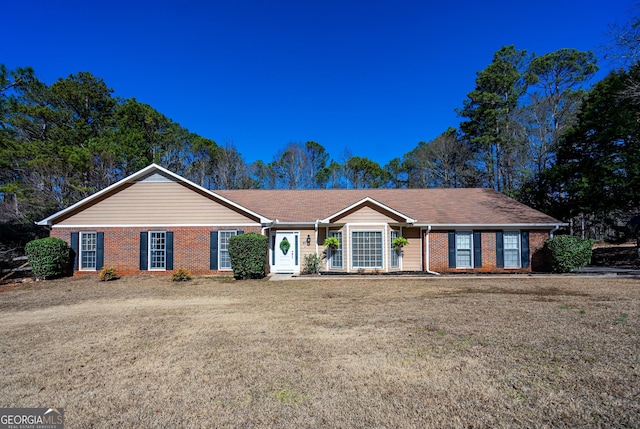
x,y
490,225
290,223
365,200
134,177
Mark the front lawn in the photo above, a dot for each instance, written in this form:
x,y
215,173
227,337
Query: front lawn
x,y
516,351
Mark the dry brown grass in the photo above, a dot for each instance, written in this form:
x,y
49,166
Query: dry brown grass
x,y
374,352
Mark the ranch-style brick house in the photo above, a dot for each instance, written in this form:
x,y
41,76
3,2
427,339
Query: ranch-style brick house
x,y
155,221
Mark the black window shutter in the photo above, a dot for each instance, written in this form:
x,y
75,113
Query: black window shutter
x,y
297,240
499,249
213,250
75,246
477,249
169,244
524,251
99,250
273,250
144,244
452,249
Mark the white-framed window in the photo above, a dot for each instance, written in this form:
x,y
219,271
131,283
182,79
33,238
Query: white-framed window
x,y
464,249
223,249
88,241
511,243
157,250
336,254
367,249
395,254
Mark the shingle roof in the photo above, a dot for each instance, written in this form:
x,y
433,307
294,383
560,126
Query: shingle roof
x,y
466,206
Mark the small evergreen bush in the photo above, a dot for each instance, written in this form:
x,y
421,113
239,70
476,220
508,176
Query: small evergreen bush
x,y
49,257
311,264
565,253
180,275
249,253
107,273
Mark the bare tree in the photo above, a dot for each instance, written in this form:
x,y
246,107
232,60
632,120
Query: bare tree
x,y
230,170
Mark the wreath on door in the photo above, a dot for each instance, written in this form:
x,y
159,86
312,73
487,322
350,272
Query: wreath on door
x,y
285,245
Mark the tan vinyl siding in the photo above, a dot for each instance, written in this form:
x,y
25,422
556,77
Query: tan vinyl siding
x,y
157,203
366,214
304,249
411,254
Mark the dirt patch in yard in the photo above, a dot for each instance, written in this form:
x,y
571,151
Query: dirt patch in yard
x,y
387,352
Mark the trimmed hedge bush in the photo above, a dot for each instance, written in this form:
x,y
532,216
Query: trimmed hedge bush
x,y
248,254
567,252
107,274
49,257
181,275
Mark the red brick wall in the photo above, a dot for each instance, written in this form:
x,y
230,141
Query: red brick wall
x,y
191,250
536,243
439,253
122,247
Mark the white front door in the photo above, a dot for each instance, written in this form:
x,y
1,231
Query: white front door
x,y
286,252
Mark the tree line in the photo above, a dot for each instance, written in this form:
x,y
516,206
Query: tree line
x,y
531,128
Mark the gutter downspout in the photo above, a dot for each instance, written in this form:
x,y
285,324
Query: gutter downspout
x,y
427,253
262,231
316,236
557,227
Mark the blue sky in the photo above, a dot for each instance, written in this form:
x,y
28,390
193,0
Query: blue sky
x,y
372,77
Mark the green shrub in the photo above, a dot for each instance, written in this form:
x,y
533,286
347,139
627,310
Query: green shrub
x,y
248,254
107,273
49,257
567,252
180,275
311,264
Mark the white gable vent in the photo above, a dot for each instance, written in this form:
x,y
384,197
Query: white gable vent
x,y
156,177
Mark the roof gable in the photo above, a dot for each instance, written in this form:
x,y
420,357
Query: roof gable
x,y
152,174
157,204
378,207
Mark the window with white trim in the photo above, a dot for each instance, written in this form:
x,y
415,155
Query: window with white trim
x,y
88,241
511,240
395,254
336,254
464,249
223,249
366,249
157,250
